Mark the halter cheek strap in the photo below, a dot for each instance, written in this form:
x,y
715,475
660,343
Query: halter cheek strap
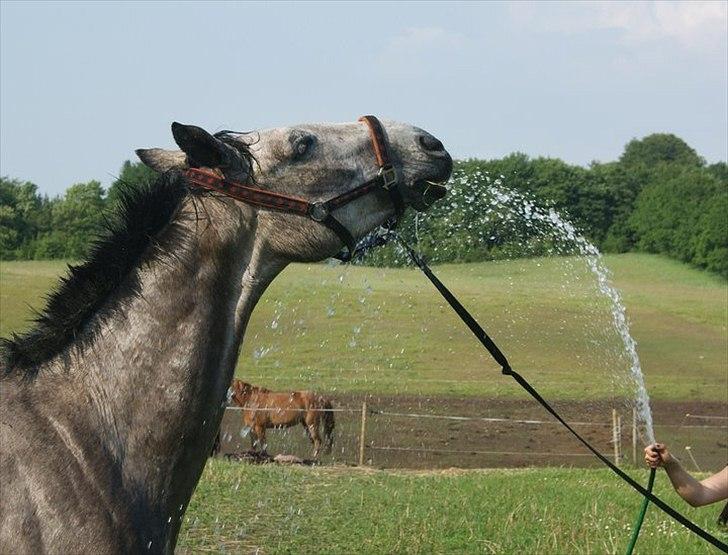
x,y
390,181
317,211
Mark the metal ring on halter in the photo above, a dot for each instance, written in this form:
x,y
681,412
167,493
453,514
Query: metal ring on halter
x,y
318,212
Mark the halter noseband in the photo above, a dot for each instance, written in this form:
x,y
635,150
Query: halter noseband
x,y
321,212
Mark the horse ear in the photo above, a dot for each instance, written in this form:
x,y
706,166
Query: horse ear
x,y
161,160
205,150
202,149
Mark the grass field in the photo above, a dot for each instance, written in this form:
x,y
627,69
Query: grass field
x,y
239,508
357,329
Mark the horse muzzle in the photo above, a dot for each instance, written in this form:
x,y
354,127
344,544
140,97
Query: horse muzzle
x,y
425,192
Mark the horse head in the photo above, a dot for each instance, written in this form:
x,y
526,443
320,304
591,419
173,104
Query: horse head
x,y
315,162
240,391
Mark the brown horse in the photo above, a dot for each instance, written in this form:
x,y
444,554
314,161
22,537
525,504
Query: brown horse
x,y
263,409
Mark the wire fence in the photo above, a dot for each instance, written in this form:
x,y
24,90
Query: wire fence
x,y
483,419
704,417
474,452
367,435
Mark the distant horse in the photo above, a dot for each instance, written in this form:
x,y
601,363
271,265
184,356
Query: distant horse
x,y
110,404
264,409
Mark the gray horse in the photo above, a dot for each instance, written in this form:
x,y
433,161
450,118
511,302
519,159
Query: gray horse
x,y
110,404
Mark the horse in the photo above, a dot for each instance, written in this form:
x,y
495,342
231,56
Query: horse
x,y
110,403
264,409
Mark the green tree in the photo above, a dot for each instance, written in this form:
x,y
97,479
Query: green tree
x,y
131,173
711,235
9,236
622,185
20,217
76,219
719,170
683,215
659,148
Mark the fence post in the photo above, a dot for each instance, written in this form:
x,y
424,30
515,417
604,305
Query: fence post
x,y
615,436
362,433
634,436
619,435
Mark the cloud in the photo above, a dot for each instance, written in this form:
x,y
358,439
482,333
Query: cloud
x,y
695,25
413,51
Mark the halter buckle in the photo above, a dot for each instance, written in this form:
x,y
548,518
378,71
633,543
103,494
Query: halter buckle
x,y
318,211
389,176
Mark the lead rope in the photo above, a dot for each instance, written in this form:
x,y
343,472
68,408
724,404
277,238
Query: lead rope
x,y
500,358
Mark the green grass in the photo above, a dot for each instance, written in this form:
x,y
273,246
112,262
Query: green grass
x,y
548,319
387,331
239,508
22,288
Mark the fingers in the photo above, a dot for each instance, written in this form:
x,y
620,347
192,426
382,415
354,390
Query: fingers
x,y
653,455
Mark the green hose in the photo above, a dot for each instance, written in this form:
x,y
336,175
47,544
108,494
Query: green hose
x,y
641,516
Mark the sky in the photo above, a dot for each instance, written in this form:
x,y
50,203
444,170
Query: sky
x,y
82,84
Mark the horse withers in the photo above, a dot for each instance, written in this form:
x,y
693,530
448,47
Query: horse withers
x,y
110,403
263,409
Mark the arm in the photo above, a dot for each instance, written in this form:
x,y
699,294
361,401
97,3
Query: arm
x,y
697,494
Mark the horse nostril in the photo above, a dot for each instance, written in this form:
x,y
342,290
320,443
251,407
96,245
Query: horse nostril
x,y
430,143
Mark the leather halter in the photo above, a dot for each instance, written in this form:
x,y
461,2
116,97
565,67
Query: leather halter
x,y
321,212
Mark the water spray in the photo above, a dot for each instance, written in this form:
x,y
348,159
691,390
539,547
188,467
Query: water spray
x,y
501,359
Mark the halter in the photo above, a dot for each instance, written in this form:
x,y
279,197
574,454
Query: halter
x,y
321,212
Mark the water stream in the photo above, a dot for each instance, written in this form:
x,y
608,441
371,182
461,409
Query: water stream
x,y
580,330
544,231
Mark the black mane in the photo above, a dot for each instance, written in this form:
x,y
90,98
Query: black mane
x,y
80,304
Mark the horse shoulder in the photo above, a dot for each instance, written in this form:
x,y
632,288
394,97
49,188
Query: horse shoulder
x,y
49,477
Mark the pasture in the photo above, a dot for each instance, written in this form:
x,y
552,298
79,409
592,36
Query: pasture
x,y
242,509
383,334
386,331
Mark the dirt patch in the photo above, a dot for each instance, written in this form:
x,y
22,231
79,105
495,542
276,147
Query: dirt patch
x,y
489,433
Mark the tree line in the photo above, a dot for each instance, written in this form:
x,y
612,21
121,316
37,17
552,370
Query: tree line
x,y
660,196
38,227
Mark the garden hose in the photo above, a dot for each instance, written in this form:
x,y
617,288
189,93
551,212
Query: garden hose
x,y
641,515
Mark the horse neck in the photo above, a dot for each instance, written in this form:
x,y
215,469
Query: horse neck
x,y
157,375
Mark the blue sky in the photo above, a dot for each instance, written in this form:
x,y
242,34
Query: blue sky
x,y
84,84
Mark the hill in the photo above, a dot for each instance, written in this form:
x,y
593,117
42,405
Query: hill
x,y
361,329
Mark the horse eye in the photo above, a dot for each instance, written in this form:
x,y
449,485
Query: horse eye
x,y
302,145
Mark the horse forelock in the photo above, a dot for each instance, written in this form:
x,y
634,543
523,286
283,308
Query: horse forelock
x,y
242,146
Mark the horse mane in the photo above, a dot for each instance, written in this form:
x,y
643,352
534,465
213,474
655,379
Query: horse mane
x,y
92,291
244,390
239,385
83,300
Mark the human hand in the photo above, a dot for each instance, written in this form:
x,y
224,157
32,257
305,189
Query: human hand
x,y
657,455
